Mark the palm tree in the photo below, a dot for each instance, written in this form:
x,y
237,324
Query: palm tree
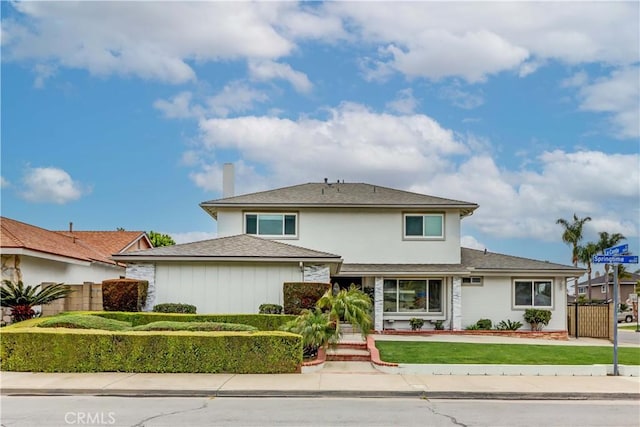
x,y
585,255
572,235
606,241
22,299
352,306
317,330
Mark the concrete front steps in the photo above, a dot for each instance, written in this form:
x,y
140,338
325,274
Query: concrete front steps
x,y
349,352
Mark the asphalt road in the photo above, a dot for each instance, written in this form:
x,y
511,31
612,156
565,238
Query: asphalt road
x,y
628,337
154,412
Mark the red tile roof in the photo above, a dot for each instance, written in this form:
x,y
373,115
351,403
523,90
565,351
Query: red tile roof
x,y
81,245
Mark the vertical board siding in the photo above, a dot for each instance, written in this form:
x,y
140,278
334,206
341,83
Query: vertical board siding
x,y
224,287
593,321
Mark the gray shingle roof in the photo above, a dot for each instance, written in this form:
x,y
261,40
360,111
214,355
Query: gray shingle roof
x,y
240,246
337,195
479,260
471,261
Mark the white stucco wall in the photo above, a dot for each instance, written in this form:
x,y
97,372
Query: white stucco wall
x,y
362,235
493,300
223,287
38,270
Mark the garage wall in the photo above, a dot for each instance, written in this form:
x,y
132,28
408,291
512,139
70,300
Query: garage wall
x,y
223,287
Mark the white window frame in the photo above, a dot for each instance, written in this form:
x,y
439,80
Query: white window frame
x,y
533,303
272,236
472,281
423,215
420,313
603,289
582,290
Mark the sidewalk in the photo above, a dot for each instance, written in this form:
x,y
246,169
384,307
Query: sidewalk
x,y
353,379
334,380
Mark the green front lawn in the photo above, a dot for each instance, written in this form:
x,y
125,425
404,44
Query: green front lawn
x,y
628,326
502,354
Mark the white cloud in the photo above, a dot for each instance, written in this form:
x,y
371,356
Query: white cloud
x,y
235,97
50,185
268,70
43,72
576,80
478,39
405,102
618,95
191,236
526,203
4,183
351,143
471,243
460,98
152,40
178,107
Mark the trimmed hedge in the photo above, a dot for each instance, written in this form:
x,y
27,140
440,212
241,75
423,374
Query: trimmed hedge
x,y
300,296
83,321
124,294
170,307
190,326
263,322
270,309
56,350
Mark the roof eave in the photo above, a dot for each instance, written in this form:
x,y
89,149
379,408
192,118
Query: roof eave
x,y
212,208
45,255
156,258
528,271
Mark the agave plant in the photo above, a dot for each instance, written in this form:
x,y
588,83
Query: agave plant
x,y
22,299
352,306
317,330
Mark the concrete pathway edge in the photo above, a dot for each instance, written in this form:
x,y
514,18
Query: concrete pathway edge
x,y
401,394
516,370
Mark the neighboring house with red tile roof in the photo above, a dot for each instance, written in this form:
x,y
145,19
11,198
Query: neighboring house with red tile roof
x,y
35,255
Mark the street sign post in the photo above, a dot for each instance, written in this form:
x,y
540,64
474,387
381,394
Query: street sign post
x,y
611,256
617,250
615,259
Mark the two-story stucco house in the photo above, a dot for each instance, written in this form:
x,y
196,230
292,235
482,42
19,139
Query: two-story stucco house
x,y
401,248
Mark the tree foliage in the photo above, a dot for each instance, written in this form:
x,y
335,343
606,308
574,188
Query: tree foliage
x,y
158,239
21,299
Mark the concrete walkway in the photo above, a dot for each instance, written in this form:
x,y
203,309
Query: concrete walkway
x,y
338,380
355,379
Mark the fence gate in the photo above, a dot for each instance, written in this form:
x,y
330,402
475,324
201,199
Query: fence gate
x,y
594,320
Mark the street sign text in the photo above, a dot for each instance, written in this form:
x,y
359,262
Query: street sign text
x,y
617,250
615,259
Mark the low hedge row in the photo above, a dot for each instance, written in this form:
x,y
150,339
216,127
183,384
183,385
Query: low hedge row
x,y
78,350
263,322
83,321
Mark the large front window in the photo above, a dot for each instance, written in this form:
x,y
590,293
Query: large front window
x,y
413,295
271,224
533,293
427,226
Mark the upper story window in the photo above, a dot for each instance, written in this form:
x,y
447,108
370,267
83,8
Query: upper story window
x,y
271,224
424,226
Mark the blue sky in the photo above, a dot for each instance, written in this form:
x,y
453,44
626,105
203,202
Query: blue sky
x,y
121,114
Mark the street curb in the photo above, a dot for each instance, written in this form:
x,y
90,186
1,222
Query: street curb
x,y
422,394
